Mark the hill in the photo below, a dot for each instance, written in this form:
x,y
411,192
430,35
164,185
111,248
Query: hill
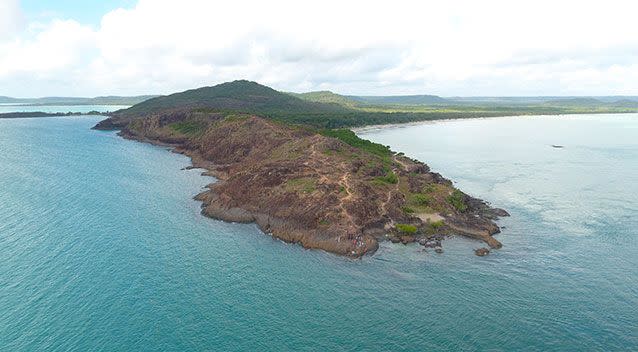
x,y
400,99
327,97
626,103
7,100
329,110
579,101
253,98
240,96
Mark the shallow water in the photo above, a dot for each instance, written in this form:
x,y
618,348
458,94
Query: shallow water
x,y
103,248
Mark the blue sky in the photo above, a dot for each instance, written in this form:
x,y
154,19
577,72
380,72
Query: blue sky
x,y
89,12
447,48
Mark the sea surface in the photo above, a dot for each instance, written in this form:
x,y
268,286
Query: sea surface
x,y
103,249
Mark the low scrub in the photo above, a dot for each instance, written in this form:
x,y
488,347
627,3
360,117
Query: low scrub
x,y
188,127
352,139
422,199
390,178
457,200
406,229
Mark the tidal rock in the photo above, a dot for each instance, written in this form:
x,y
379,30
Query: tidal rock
x,y
481,252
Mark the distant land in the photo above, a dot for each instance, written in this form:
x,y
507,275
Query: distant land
x,y
327,109
382,103
424,100
108,100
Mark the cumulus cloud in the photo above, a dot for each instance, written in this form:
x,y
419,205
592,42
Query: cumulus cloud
x,y
404,47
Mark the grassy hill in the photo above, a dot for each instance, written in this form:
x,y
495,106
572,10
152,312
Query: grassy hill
x,y
240,96
400,100
327,97
575,102
327,110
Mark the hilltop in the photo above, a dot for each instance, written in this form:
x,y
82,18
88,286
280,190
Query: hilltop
x,y
242,96
238,96
327,97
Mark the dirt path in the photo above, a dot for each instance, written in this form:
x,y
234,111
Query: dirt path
x,y
391,191
344,180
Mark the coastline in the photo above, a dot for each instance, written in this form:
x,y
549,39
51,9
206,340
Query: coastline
x,y
219,204
368,128
281,229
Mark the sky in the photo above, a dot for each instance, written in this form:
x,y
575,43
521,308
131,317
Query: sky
x,y
447,48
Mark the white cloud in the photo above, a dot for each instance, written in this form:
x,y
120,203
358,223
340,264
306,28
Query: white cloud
x,y
11,18
448,48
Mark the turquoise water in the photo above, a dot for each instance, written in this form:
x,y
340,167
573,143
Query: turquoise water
x,y
103,249
60,108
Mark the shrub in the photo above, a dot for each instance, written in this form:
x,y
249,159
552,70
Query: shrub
x,y
304,185
437,224
429,188
422,199
408,210
457,199
188,127
406,229
352,139
390,177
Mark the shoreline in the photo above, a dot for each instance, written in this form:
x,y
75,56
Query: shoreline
x,y
368,128
220,202
280,229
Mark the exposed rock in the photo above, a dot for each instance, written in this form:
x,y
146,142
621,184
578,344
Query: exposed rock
x,y
481,252
306,188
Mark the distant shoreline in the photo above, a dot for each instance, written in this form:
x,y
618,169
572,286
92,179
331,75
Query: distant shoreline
x,y
368,128
39,114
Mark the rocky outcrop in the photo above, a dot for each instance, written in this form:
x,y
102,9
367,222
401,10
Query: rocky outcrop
x,y
318,191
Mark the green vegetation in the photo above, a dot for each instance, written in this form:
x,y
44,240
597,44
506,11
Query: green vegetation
x,y
352,139
457,200
429,188
390,178
434,227
326,97
408,210
326,110
437,224
188,127
304,185
421,199
406,229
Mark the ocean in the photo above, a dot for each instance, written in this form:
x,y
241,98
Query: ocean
x,y
102,248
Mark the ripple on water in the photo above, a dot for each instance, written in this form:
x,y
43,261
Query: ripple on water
x,y
102,247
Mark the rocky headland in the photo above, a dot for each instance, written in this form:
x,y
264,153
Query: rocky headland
x,y
321,188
